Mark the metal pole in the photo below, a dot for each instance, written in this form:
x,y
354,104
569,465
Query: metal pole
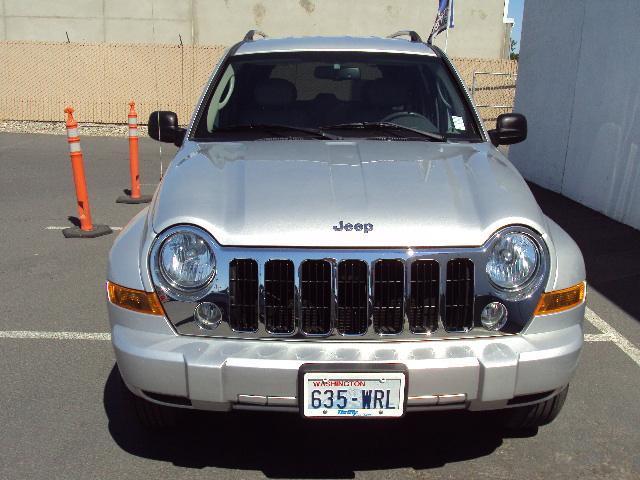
x,y
446,40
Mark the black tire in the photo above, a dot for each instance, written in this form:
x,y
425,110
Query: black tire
x,y
152,416
533,416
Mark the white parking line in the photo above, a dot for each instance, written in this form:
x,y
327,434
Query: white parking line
x,y
596,337
55,227
609,334
55,335
625,345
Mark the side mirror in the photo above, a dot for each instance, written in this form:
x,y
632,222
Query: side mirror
x,y
163,126
510,128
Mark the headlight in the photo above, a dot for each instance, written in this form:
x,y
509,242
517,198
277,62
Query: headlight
x,y
186,260
513,261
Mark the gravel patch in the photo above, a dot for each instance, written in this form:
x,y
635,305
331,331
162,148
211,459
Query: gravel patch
x,y
58,128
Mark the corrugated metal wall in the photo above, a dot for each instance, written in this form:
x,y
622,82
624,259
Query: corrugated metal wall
x,y
579,87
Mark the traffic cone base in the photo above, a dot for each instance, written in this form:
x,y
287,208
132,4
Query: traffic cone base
x,y
96,231
131,200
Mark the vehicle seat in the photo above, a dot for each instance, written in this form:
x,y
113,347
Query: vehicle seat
x,y
328,110
275,103
382,98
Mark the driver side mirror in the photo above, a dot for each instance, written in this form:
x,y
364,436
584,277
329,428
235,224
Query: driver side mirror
x,y
510,128
163,126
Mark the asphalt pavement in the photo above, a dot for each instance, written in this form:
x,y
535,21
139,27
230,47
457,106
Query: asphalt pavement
x,y
62,412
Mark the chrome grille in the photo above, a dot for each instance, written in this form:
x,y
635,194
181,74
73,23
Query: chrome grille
x,y
388,296
315,297
243,295
414,292
459,296
352,318
279,298
393,294
424,296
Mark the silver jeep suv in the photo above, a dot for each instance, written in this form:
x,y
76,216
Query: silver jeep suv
x,y
339,236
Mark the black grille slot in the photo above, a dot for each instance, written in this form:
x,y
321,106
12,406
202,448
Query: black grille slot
x,y
279,298
423,308
352,297
315,297
459,298
388,296
243,295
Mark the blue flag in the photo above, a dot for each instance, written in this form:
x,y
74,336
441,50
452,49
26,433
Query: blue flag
x,y
445,12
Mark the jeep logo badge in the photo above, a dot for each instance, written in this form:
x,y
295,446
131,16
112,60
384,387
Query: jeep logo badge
x,y
358,227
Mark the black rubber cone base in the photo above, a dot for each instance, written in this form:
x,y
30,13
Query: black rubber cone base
x,y
128,199
77,232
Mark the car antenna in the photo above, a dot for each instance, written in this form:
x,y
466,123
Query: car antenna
x,y
159,144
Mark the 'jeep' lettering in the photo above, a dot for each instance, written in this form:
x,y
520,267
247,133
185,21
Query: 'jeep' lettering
x,y
348,227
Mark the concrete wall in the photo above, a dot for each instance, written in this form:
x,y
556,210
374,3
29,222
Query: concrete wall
x,y
579,86
480,31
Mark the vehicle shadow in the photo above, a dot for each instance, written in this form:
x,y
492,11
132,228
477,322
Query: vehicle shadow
x,y
283,445
611,249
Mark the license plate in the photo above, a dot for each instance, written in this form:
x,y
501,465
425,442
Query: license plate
x,y
353,394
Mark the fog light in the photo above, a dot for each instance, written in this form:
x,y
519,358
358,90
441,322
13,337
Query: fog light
x,y
494,316
208,315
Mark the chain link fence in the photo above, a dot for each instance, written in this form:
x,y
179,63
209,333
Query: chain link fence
x,y
38,79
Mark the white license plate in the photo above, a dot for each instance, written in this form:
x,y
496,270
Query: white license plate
x,y
353,394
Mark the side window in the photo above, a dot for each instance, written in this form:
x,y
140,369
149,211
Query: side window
x,y
223,93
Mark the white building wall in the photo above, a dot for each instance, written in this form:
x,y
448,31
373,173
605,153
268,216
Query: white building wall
x,y
579,86
480,29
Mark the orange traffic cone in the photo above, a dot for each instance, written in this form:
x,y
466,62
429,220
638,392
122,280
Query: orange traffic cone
x,y
134,163
86,229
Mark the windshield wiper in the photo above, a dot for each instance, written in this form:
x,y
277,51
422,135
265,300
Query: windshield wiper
x,y
274,128
434,137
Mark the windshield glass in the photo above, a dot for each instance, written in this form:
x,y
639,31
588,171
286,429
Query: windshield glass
x,y
336,94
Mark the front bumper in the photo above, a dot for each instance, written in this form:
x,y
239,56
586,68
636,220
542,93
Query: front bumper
x,y
221,374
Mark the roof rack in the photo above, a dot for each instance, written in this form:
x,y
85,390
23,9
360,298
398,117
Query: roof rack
x,y
415,38
252,33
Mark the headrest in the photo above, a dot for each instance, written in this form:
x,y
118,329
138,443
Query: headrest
x,y
385,93
275,92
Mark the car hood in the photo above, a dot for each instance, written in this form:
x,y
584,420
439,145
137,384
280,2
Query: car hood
x,y
296,193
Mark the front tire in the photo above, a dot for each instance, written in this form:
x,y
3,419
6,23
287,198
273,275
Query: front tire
x,y
537,415
152,416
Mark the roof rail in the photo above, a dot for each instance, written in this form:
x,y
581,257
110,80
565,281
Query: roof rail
x,y
415,38
252,33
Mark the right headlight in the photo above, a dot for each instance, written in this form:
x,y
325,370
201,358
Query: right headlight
x,y
513,261
185,263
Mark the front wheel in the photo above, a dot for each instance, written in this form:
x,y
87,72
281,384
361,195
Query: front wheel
x,y
152,416
533,416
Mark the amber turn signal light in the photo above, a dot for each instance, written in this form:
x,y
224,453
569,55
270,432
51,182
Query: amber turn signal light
x,y
136,300
560,300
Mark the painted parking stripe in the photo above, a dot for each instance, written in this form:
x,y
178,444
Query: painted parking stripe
x,y
625,345
609,334
55,335
55,227
596,337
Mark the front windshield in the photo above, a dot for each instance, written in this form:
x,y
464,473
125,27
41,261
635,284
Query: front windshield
x,y
350,94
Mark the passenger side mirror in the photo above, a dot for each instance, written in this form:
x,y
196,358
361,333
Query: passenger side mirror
x,y
163,126
510,128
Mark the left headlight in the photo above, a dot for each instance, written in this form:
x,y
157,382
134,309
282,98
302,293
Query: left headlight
x,y
186,261
513,261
